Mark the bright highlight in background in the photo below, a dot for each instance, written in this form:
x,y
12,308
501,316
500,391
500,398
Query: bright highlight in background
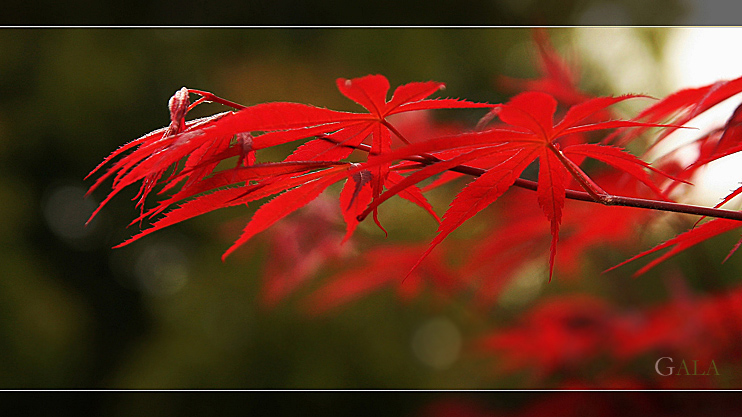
x,y
699,56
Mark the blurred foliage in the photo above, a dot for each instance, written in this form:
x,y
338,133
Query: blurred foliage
x,y
166,312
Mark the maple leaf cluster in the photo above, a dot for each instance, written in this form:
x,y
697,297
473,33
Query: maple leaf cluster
x,y
553,156
527,134
495,153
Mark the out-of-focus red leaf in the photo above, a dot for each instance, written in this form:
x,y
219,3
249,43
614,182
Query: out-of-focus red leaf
x,y
558,77
557,334
281,206
300,248
380,267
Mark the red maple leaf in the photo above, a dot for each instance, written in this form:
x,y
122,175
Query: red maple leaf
x,y
298,179
679,108
531,136
498,253
685,241
528,133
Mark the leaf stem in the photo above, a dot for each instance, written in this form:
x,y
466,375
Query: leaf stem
x,y
206,96
596,192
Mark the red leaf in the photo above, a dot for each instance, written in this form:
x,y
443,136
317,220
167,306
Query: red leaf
x,y
224,198
426,172
482,192
412,92
554,335
502,153
439,103
588,108
205,142
354,197
333,147
282,206
684,241
369,91
719,143
613,124
682,106
534,112
269,172
190,209
621,160
531,110
551,196
150,148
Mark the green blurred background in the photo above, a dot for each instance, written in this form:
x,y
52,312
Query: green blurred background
x,y
166,312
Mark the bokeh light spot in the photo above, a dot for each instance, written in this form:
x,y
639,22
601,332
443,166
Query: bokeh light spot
x,y
437,343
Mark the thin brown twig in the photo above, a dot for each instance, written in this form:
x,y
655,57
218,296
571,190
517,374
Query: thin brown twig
x,y
608,200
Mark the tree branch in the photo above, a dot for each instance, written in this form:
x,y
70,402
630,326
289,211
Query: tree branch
x,y
608,200
605,199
